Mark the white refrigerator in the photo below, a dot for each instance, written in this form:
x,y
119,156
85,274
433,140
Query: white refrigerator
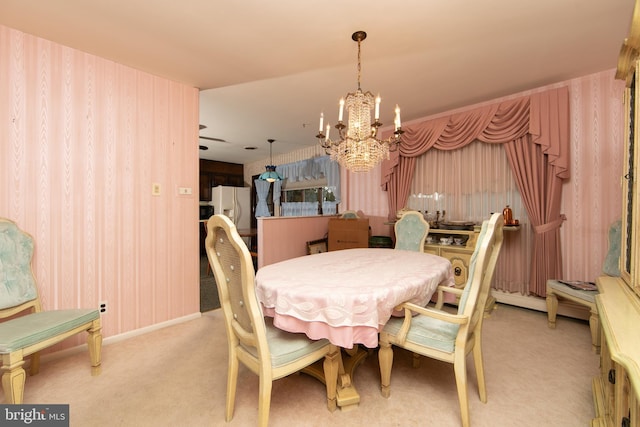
x,y
234,202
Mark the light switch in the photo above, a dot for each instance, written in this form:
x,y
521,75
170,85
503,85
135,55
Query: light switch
x,y
155,189
184,191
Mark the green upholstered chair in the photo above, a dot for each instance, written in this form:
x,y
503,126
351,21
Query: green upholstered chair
x,y
266,350
349,214
411,231
29,329
556,290
445,336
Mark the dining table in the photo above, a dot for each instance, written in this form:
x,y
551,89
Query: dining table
x,y
347,297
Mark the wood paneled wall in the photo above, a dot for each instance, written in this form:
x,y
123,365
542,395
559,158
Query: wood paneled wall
x,y
83,142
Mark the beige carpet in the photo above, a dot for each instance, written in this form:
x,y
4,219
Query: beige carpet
x,y
176,377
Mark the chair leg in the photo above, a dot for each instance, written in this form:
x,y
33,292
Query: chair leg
x,y
552,309
264,401
478,362
416,360
460,369
94,342
13,378
385,358
232,382
34,366
330,366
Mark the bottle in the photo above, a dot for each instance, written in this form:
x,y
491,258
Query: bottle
x,y
507,214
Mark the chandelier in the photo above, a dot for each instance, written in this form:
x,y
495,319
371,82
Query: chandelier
x,y
358,147
270,173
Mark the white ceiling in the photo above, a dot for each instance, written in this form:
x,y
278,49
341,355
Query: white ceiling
x,y
266,69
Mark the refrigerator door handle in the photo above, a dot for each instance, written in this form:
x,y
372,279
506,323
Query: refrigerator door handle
x,y
236,206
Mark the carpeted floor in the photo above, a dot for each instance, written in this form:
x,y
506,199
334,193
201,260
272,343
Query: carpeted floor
x,y
176,376
208,291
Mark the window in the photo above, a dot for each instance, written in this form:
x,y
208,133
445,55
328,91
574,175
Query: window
x,y
309,201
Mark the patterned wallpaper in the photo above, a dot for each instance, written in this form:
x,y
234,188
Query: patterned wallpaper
x,y
83,141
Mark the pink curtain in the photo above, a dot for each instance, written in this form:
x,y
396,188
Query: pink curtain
x,y
535,130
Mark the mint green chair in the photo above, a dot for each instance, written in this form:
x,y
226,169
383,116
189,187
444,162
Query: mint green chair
x,y
444,336
33,329
267,351
411,232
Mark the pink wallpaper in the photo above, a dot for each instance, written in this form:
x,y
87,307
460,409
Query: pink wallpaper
x,y
83,140
592,198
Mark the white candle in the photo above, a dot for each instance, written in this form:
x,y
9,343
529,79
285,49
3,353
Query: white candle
x,y
398,116
377,115
327,134
321,121
341,109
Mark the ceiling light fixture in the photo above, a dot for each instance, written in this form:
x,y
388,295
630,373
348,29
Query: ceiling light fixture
x,y
270,174
358,148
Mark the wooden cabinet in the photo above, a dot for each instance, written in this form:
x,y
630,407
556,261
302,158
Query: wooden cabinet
x,y
616,391
459,255
214,173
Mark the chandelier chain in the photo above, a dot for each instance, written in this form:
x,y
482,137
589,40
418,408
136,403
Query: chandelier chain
x,y
359,66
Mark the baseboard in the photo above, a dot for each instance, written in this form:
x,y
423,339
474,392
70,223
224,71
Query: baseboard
x,y
121,337
565,308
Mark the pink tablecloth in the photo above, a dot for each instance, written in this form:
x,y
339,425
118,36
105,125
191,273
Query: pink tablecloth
x,y
347,296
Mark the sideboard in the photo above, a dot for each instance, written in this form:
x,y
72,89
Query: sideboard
x,y
616,390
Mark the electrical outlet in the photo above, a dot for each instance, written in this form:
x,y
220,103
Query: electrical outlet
x,y
103,307
184,191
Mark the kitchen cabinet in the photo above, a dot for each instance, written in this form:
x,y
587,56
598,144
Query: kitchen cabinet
x,y
214,173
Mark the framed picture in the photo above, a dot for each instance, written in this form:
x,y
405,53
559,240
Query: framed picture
x,y
317,246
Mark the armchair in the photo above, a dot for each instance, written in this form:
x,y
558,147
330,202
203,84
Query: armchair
x,y
444,336
30,329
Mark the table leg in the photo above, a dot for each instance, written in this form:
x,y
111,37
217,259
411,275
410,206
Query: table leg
x,y
346,393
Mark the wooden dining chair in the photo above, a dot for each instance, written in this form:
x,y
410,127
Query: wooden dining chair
x,y
445,336
29,329
411,231
267,351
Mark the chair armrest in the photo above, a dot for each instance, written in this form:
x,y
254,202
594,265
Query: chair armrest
x,y
436,314
441,290
410,308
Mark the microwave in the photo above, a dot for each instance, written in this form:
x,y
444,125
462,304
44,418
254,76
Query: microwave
x,y
206,211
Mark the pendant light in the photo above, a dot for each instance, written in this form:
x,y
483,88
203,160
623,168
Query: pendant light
x,y
270,174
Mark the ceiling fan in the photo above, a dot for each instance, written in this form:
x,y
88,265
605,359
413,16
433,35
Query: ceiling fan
x,y
209,138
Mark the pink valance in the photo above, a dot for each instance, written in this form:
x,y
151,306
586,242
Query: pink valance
x,y
543,115
541,120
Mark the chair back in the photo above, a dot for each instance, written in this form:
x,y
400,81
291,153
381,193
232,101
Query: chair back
x,y
481,268
235,280
18,290
349,214
411,232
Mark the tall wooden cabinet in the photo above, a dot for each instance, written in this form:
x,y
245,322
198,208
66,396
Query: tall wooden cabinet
x,y
214,173
616,390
